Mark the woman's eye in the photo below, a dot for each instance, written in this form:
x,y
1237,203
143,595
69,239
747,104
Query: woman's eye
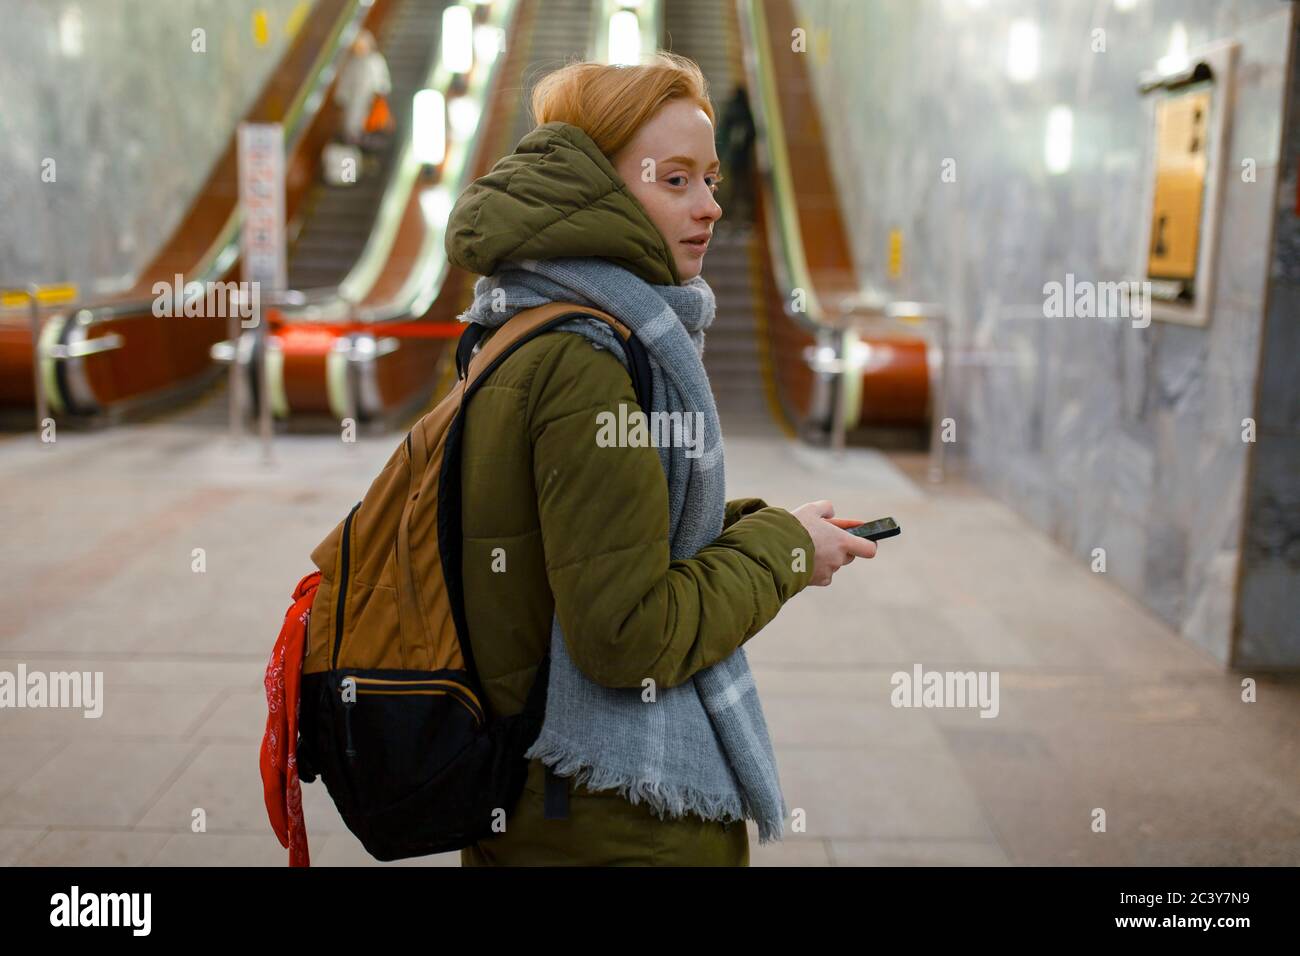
x,y
681,179
713,180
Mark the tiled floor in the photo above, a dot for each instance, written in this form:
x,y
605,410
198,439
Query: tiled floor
x,y
1101,707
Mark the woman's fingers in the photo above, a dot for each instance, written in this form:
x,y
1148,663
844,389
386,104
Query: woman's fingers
x,y
845,522
862,547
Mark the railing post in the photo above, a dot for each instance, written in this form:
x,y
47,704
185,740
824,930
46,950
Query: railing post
x,y
42,403
839,391
352,380
233,329
263,372
937,449
351,386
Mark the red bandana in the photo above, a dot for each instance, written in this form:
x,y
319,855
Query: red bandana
x,y
279,759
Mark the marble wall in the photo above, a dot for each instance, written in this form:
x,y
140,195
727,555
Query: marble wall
x,y
133,118
1103,434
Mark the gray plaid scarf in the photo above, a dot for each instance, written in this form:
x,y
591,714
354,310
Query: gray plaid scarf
x,y
702,747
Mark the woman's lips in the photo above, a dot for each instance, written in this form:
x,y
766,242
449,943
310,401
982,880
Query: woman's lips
x,y
697,246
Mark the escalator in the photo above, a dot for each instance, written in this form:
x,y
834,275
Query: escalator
x,y
887,389
338,219
375,350
550,32
558,29
781,278
795,248
706,32
373,302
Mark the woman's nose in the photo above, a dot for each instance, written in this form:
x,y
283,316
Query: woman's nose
x,y
710,209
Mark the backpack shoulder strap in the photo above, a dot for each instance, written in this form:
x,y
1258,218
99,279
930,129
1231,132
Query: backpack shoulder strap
x,y
475,358
465,346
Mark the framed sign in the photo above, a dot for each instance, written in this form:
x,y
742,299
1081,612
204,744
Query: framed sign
x,y
1187,159
1180,168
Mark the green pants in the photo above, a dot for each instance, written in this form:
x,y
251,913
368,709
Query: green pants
x,y
605,829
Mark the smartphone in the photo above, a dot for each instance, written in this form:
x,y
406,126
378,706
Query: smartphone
x,y
876,530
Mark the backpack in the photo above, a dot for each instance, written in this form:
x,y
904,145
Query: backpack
x,y
392,714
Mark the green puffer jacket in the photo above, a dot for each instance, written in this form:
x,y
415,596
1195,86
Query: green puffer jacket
x,y
584,529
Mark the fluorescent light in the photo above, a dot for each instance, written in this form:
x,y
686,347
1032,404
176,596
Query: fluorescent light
x,y
429,127
624,38
458,38
463,113
1022,51
71,33
1058,144
1175,58
487,42
436,205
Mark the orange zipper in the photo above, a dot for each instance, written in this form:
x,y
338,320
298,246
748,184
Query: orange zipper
x,y
466,697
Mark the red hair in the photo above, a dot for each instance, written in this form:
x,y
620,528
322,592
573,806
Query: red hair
x,y
610,103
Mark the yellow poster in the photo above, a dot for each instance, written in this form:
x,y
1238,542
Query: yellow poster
x,y
1181,124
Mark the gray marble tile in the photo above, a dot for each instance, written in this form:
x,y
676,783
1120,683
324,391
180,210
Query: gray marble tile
x,y
1101,434
132,117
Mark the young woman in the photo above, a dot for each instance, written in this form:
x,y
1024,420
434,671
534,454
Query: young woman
x,y
622,559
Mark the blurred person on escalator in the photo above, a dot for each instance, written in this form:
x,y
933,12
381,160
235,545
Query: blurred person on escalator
x,y
736,144
623,560
362,92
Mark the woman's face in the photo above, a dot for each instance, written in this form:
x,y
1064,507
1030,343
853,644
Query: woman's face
x,y
671,167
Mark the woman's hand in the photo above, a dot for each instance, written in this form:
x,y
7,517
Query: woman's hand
x,y
832,547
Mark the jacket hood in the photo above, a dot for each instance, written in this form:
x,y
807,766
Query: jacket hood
x,y
556,195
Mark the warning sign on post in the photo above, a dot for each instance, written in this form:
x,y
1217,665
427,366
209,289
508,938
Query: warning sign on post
x,y
261,196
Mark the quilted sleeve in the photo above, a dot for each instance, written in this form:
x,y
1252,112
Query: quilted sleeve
x,y
738,508
628,612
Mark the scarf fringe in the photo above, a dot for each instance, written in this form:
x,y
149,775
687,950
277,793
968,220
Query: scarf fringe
x,y
665,801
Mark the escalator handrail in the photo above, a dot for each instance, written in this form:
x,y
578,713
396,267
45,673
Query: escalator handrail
x,y
789,258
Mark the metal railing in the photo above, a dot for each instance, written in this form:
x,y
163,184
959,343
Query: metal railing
x,y
76,344
838,360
